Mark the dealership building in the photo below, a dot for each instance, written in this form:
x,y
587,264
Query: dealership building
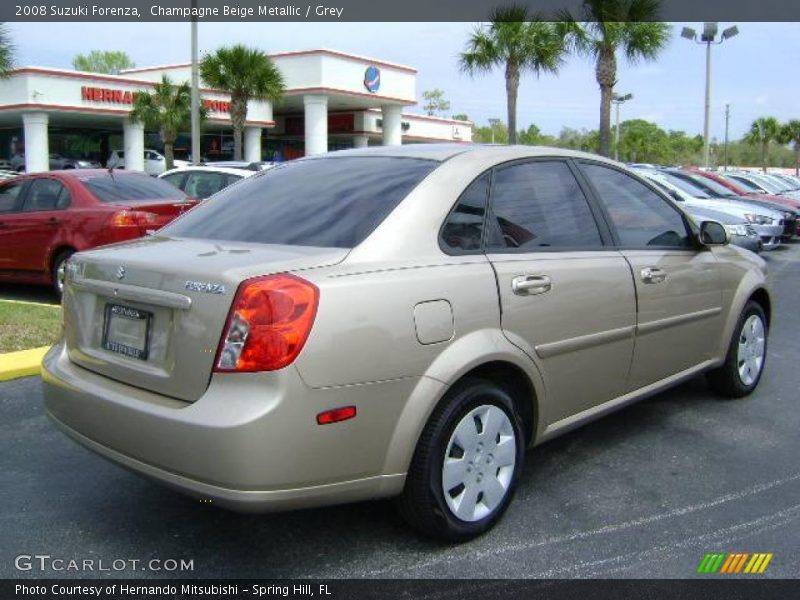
x,y
332,101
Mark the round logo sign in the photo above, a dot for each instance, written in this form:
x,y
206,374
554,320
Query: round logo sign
x,y
372,79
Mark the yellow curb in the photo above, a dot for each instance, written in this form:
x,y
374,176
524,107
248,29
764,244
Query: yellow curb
x,y
22,363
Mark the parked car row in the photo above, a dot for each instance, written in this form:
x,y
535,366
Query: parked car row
x,y
772,218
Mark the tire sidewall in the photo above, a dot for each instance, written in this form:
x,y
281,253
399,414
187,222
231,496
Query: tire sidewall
x,y
750,309
463,401
62,257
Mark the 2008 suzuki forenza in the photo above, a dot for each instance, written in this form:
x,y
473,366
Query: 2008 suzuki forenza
x,y
396,322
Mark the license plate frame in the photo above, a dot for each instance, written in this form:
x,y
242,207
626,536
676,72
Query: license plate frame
x,y
128,315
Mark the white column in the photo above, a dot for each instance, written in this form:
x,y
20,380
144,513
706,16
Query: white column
x,y
392,128
133,143
360,141
316,122
252,144
37,148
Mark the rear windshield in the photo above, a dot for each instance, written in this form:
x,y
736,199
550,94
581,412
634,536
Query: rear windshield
x,y
122,188
328,202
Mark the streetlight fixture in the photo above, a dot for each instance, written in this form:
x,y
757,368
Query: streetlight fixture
x,y
492,124
617,100
708,37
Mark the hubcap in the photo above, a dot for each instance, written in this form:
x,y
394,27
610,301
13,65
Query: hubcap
x,y
479,463
750,357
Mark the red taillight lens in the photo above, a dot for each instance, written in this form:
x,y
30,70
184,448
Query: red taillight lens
x,y
133,218
268,324
336,415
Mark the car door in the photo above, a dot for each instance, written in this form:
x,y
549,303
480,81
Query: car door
x,y
39,222
154,163
12,195
677,281
567,296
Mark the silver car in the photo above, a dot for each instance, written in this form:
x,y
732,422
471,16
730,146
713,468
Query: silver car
x,y
396,322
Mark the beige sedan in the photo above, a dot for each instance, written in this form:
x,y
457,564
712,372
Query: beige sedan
x,y
396,322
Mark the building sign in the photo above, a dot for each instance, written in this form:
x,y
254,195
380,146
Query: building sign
x,y
111,96
372,79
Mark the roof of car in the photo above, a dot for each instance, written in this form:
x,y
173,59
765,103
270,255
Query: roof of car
x,y
212,169
442,152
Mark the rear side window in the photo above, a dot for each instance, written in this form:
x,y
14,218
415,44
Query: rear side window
x,y
640,216
463,230
327,202
10,197
123,188
46,194
540,205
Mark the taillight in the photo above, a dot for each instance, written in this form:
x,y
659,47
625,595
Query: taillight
x,y
268,323
134,218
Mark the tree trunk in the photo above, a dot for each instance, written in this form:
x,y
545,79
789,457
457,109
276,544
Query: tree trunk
x,y
238,116
797,158
169,155
606,74
764,155
512,87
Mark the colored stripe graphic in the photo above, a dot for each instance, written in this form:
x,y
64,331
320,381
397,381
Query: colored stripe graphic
x,y
734,562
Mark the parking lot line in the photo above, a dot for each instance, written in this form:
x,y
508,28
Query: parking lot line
x,y
22,363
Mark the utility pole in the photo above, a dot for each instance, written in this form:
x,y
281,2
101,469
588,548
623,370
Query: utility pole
x,y
617,100
707,120
195,93
727,120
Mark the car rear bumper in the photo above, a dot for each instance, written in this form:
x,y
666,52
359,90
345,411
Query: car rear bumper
x,y
250,443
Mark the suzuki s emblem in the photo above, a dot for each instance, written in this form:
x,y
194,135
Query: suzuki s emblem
x,y
120,273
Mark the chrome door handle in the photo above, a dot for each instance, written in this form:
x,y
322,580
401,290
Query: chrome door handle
x,y
529,285
653,275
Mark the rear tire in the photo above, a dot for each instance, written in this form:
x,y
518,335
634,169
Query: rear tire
x,y
473,444
58,271
747,355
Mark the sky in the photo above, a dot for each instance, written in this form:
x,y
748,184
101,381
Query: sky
x,y
755,72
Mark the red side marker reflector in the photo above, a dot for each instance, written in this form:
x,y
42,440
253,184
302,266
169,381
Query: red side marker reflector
x,y
335,415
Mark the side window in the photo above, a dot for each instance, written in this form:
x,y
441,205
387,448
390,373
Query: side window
x,y
641,217
539,204
46,194
10,195
463,230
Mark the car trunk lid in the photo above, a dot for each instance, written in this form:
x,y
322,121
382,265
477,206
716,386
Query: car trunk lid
x,y
150,313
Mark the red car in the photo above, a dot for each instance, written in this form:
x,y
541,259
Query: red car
x,y
46,217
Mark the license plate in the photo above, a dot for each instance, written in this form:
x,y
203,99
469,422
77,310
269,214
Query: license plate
x,y
126,331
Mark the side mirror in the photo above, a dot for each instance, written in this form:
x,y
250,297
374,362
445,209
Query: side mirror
x,y
713,233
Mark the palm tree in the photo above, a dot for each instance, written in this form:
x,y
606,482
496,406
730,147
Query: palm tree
x,y
6,52
610,26
790,134
517,42
763,131
246,74
168,108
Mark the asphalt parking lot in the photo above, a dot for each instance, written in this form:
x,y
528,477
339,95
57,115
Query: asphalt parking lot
x,y
645,492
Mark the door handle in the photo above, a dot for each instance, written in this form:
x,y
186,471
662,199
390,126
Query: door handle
x,y
653,275
530,285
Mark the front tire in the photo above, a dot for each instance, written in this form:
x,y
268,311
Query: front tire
x,y
747,355
466,465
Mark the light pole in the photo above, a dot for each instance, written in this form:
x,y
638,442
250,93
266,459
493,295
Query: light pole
x,y
727,119
708,37
195,94
617,100
492,124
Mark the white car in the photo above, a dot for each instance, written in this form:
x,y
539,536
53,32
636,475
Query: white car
x,y
154,162
202,182
767,223
765,183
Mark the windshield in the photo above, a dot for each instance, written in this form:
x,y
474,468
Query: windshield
x,y
744,183
328,202
772,188
685,186
126,188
